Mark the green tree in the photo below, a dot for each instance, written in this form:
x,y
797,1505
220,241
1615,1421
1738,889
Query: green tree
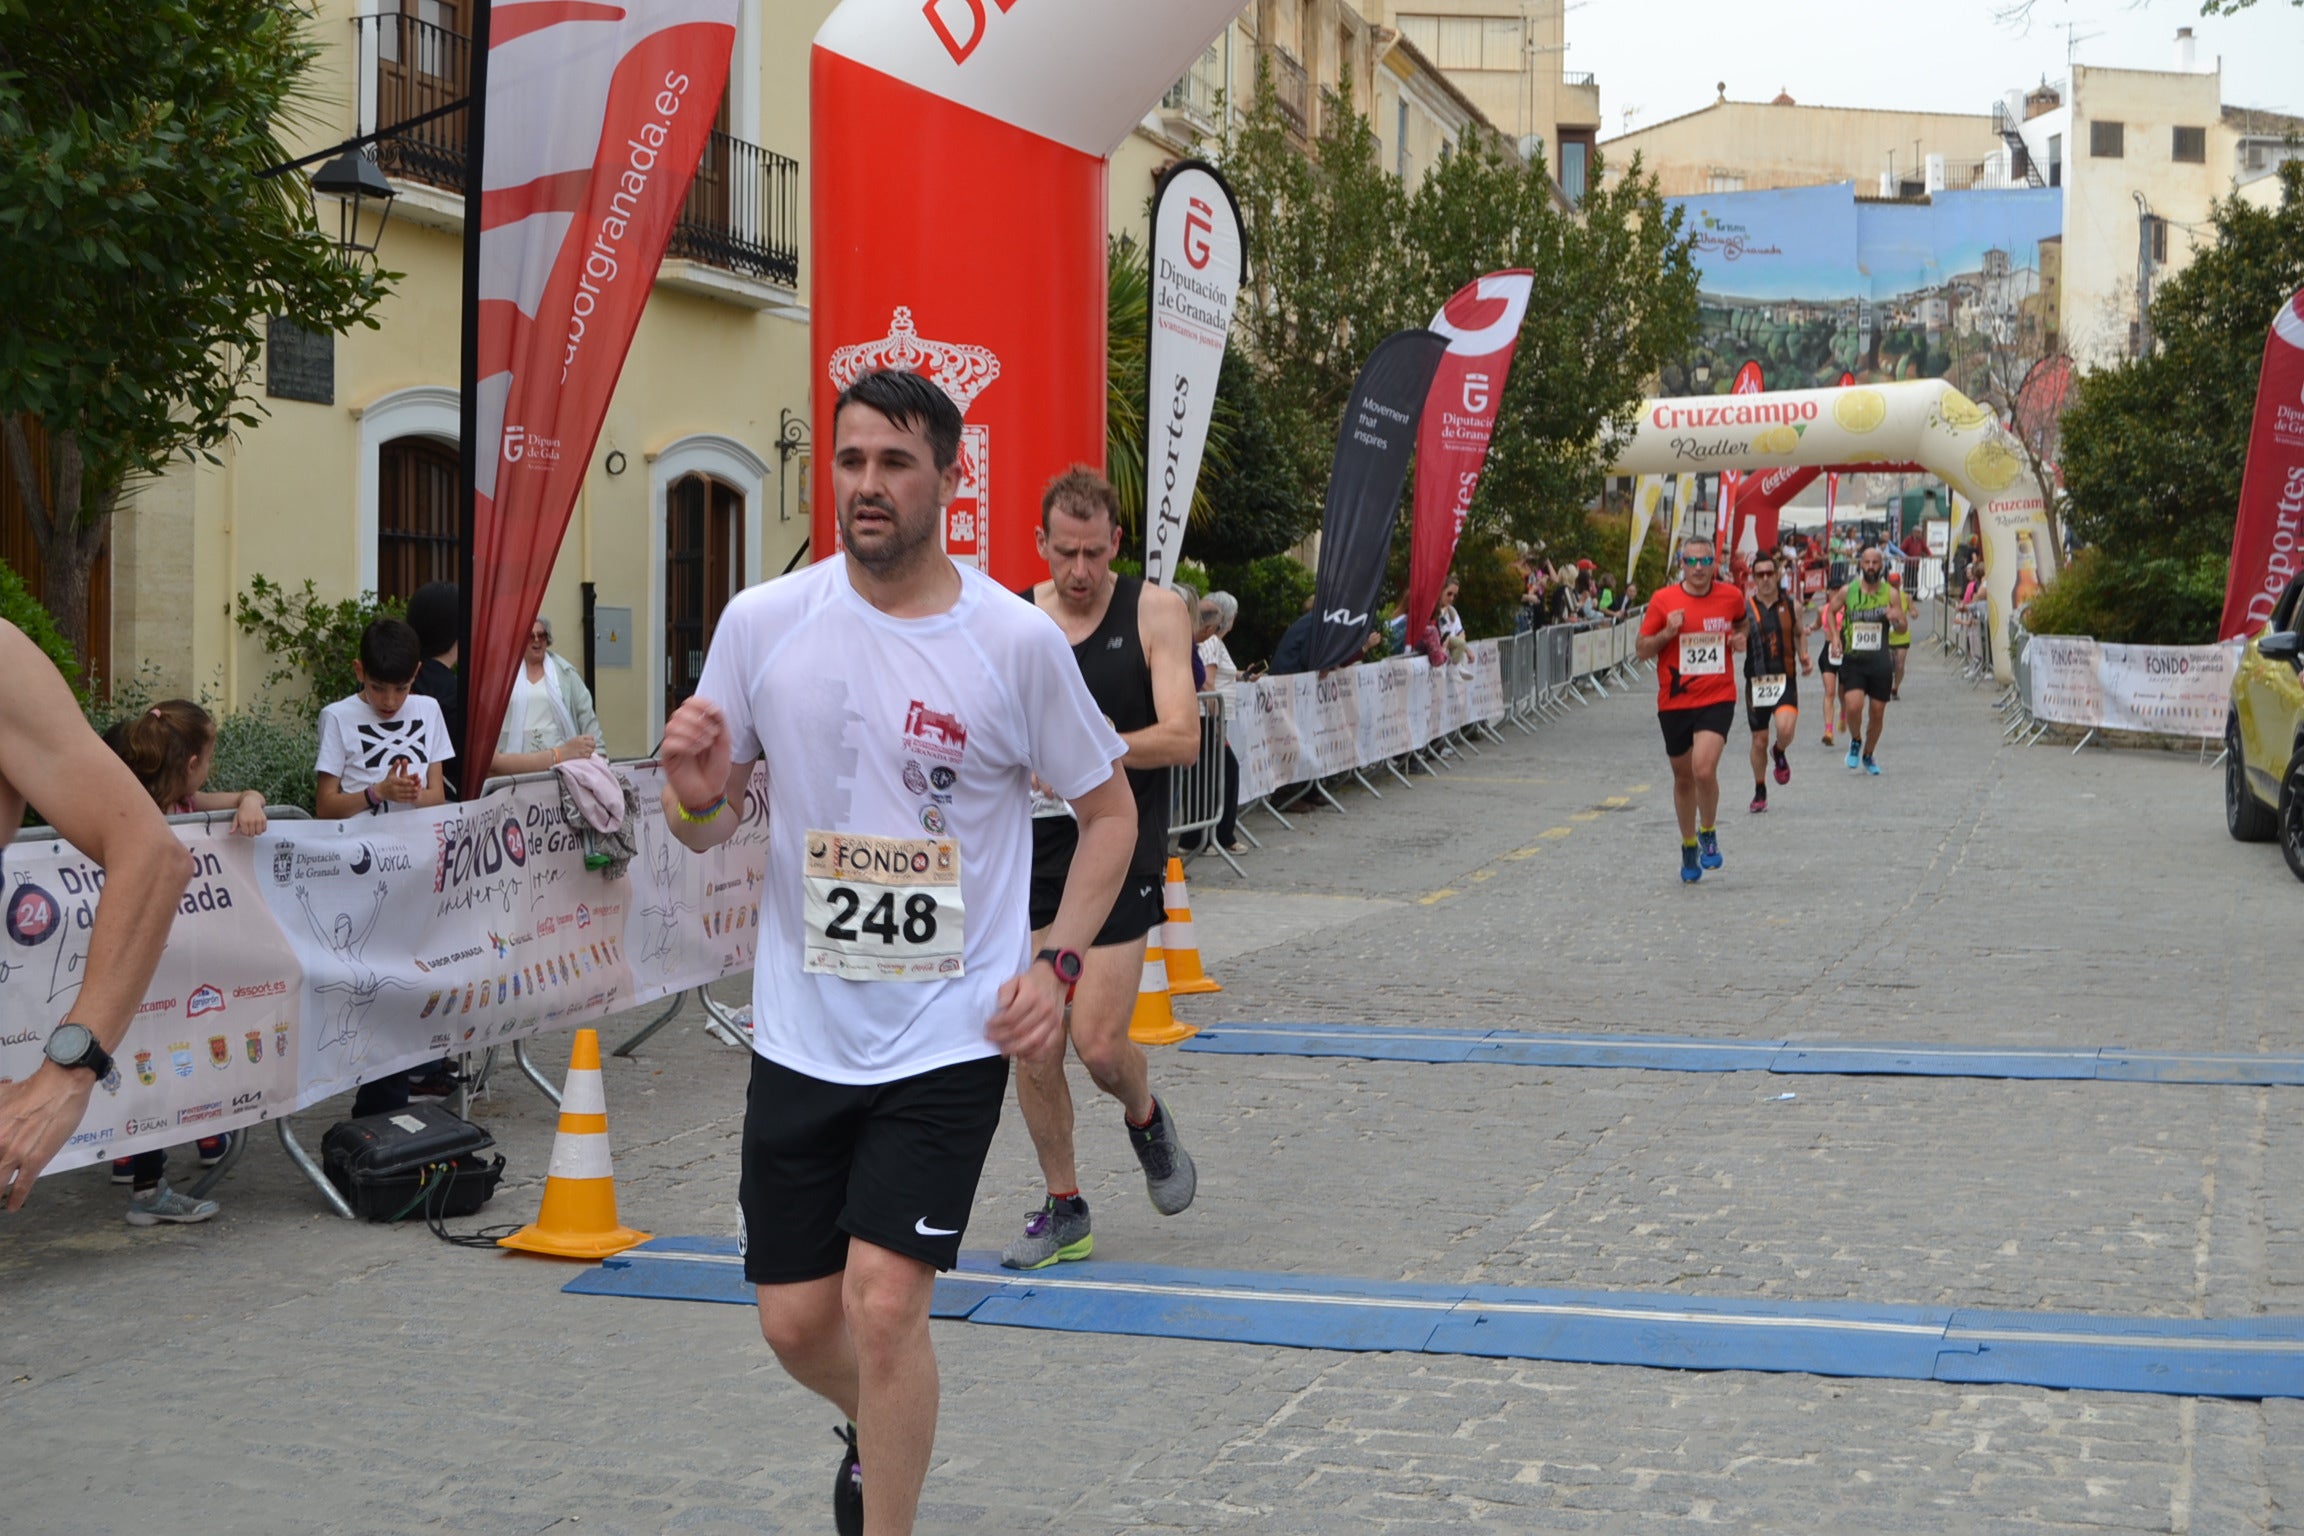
x,y
1128,334
140,249
2154,447
1340,254
1323,240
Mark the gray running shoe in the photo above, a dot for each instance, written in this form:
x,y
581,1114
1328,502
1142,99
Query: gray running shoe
x,y
1169,1177
165,1204
1052,1235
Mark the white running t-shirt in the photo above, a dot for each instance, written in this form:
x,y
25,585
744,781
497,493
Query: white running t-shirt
x,y
914,729
360,746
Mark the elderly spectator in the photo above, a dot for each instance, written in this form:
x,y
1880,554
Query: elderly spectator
x,y
1218,612
551,719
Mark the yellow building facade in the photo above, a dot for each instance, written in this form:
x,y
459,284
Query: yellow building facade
x,y
698,485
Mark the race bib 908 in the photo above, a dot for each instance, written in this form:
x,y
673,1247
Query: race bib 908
x,y
882,908
1864,636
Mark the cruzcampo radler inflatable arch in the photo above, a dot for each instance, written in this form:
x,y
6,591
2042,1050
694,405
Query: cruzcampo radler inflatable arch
x,y
1925,422
958,210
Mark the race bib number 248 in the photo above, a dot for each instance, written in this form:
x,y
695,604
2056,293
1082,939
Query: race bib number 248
x,y
882,908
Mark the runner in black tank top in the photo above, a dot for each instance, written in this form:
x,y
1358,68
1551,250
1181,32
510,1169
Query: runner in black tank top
x,y
1134,647
1120,681
1773,661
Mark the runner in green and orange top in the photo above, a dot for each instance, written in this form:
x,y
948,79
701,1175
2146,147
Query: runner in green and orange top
x,y
1689,632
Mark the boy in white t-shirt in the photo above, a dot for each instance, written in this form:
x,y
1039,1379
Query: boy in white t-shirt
x,y
382,748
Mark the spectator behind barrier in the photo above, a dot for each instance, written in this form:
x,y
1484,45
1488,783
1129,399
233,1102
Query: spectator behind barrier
x,y
50,759
551,719
385,747
436,613
170,748
1218,612
1294,652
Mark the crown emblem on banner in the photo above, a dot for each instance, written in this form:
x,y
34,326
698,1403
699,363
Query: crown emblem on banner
x,y
961,371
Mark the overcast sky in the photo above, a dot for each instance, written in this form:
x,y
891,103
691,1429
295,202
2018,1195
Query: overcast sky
x,y
1661,58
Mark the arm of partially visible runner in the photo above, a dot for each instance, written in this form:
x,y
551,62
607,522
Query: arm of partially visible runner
x,y
1173,738
49,757
1030,1019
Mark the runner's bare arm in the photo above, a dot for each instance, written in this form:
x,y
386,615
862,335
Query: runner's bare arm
x,y
49,757
697,770
1166,630
1029,1021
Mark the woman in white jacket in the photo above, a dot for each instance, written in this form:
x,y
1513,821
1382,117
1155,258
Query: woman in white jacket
x,y
551,718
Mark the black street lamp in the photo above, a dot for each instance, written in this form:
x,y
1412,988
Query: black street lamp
x,y
358,187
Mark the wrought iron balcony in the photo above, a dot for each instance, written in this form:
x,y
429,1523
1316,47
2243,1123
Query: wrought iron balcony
x,y
743,212
743,209
1292,83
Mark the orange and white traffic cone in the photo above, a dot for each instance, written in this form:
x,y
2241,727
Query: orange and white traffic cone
x,y
578,1220
1176,942
1153,1022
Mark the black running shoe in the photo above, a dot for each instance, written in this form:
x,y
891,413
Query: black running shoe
x,y
848,1486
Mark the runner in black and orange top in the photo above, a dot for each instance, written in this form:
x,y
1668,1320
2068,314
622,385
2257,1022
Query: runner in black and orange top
x,y
1689,632
1773,662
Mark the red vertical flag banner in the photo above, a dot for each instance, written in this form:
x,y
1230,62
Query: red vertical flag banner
x,y
1749,381
590,120
1482,324
2268,537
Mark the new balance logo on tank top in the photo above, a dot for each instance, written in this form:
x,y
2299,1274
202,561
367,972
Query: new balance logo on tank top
x,y
891,738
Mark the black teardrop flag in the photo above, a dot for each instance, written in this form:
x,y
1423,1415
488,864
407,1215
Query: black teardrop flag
x,y
1372,448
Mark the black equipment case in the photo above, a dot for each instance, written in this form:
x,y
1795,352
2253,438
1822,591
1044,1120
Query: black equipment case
x,y
418,1161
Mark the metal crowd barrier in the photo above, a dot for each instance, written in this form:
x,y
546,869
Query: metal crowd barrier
x,y
1196,790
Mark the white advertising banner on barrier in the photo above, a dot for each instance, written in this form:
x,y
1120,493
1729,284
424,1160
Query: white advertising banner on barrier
x,y
2175,690
323,954
2064,680
1284,730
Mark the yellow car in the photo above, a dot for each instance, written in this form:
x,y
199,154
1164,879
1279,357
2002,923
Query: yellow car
x,y
2264,736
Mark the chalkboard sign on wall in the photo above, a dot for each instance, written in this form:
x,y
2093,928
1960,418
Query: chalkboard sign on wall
x,y
299,364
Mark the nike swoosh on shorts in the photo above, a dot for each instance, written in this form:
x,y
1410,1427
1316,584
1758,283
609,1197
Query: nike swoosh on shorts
x,y
921,1226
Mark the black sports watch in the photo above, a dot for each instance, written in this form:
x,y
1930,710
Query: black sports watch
x,y
1064,962
74,1045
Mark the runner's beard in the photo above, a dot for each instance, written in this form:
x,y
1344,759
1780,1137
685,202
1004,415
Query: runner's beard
x,y
897,547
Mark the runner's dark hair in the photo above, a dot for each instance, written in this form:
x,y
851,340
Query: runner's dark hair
x,y
911,403
1082,493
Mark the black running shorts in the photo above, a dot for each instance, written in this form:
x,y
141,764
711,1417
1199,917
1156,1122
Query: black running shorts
x,y
1871,673
895,1164
1761,719
1141,906
1681,725
1824,661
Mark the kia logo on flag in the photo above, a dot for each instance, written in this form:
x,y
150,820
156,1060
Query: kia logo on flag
x,y
1199,223
1475,392
1343,616
515,443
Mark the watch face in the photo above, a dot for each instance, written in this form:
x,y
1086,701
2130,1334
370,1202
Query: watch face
x,y
69,1043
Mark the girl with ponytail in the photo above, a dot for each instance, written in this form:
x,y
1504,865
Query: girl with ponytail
x,y
170,747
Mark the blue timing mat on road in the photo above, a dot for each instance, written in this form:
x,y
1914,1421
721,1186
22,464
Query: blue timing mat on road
x,y
1665,1053
2246,1357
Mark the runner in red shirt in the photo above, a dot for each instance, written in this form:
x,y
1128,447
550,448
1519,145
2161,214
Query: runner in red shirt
x,y
1689,632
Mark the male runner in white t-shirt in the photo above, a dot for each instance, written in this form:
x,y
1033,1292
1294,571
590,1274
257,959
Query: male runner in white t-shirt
x,y
903,706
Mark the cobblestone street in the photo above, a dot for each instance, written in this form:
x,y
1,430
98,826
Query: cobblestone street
x,y
280,1370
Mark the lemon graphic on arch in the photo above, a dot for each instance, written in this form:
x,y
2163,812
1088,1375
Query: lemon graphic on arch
x,y
1992,466
1961,413
1860,410
1777,439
